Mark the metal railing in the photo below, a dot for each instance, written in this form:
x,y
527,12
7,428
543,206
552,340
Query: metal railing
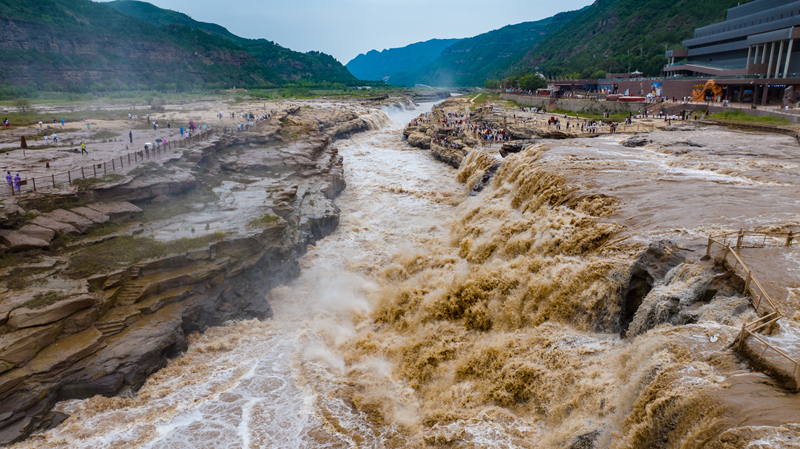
x,y
762,302
115,165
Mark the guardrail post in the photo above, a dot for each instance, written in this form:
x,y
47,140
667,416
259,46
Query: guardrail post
x,y
34,183
789,239
104,168
113,168
747,282
708,249
83,174
54,180
69,177
120,162
739,239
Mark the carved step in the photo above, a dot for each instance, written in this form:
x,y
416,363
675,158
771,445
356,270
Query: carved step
x,y
110,328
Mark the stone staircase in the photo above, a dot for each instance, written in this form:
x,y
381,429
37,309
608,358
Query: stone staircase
x,y
110,328
115,320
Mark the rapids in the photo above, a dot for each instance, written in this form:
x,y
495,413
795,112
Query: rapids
x,y
431,318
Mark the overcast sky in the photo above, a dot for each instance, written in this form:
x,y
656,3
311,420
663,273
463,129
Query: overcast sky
x,y
345,28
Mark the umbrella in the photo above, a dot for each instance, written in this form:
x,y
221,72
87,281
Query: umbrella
x,y
159,140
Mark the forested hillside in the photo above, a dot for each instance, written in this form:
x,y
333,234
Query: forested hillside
x,y
607,36
490,55
382,65
80,45
617,35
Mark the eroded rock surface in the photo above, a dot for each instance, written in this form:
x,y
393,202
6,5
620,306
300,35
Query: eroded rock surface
x,y
113,329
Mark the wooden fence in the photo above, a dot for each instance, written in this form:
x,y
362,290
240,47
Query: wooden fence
x,y
97,170
37,184
764,305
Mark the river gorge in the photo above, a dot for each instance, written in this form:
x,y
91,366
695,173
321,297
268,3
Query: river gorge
x,y
568,304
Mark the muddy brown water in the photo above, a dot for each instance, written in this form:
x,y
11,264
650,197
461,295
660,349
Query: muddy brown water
x,y
430,319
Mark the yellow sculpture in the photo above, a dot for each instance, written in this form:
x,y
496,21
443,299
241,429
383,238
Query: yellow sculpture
x,y
699,95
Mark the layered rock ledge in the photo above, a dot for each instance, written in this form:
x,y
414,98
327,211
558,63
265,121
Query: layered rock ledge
x,y
255,201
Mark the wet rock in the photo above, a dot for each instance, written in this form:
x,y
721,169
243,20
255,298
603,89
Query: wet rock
x,y
25,317
450,156
83,224
91,214
419,140
119,211
650,268
38,232
686,143
682,294
146,187
585,441
66,351
16,431
159,199
59,227
485,179
21,346
17,241
515,146
10,215
636,141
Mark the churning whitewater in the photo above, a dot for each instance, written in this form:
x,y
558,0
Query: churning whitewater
x,y
279,383
521,317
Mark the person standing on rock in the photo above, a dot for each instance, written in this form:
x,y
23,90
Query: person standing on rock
x,y
83,148
9,178
130,136
17,180
46,140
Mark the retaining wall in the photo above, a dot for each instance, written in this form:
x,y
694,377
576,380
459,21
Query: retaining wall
x,y
573,105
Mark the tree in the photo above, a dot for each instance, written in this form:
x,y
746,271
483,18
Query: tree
x,y
532,82
492,84
23,104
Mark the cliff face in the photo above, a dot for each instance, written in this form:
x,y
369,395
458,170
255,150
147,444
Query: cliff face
x,y
107,332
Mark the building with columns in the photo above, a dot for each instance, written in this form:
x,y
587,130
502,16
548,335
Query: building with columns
x,y
751,57
757,38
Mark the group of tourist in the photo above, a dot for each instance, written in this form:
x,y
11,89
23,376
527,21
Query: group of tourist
x,y
446,142
13,181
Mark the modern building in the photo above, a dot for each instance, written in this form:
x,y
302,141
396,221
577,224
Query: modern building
x,y
757,38
751,57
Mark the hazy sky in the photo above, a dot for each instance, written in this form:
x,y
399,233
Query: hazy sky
x,y
345,28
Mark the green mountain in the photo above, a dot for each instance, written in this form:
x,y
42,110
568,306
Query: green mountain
x,y
152,14
381,65
487,56
80,45
618,35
